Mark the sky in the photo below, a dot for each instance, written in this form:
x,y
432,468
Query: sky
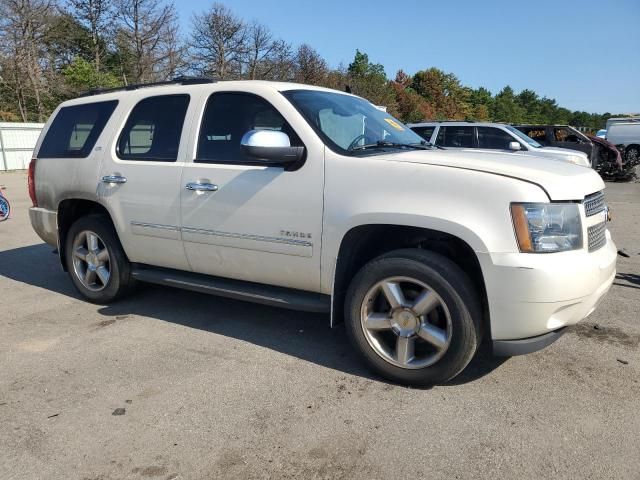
x,y
585,54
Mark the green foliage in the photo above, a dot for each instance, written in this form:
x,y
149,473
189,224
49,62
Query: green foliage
x,y
66,39
81,75
370,81
361,67
506,107
449,99
79,45
481,102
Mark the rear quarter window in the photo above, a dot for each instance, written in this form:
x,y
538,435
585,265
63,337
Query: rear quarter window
x,y
75,130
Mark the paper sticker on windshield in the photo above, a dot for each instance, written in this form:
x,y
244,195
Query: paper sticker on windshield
x,y
394,124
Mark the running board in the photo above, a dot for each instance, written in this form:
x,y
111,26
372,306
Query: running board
x,y
237,289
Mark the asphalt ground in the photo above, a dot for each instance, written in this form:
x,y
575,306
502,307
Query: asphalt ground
x,y
171,384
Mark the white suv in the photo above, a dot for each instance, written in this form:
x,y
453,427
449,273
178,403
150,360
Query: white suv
x,y
313,199
492,136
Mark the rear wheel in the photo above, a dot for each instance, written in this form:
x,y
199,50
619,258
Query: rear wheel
x,y
414,316
98,266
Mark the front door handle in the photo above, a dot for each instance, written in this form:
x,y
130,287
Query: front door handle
x,y
114,179
202,187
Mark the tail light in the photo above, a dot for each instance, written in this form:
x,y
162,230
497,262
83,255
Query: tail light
x,y
31,182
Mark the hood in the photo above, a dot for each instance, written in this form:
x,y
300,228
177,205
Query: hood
x,y
562,152
560,180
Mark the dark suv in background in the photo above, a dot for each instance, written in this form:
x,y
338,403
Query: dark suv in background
x,y
604,156
561,136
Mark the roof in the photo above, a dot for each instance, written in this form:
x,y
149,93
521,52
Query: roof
x,y
190,81
457,123
538,125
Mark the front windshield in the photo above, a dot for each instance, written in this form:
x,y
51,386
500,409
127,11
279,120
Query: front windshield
x,y
350,124
523,136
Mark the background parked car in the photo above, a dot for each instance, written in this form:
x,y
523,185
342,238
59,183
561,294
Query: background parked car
x,y
602,133
608,160
611,121
559,136
626,137
492,136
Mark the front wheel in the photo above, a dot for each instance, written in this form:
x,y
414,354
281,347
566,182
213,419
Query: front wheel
x,y
96,262
414,316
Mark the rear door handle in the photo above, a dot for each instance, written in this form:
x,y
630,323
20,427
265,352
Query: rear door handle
x,y
202,187
114,179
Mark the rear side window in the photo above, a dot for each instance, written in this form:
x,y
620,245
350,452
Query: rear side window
x,y
538,134
424,132
455,137
489,137
563,134
76,129
227,117
153,129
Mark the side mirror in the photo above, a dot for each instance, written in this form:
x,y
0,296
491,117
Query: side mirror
x,y
270,146
515,146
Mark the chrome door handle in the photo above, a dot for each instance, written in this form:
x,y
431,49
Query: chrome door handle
x,y
114,179
202,187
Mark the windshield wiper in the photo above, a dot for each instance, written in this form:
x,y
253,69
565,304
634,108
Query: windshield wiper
x,y
383,144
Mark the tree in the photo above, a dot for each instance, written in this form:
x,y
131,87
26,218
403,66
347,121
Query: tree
x,y
147,40
218,43
444,92
279,65
529,102
481,102
97,17
506,108
22,28
370,81
65,39
310,67
409,105
362,67
82,76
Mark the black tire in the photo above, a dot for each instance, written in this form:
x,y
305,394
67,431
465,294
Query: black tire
x,y
455,290
632,155
120,281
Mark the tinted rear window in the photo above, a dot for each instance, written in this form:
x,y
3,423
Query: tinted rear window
x,y
154,128
455,137
75,130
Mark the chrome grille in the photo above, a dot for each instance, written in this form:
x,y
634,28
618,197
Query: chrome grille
x,y
597,236
594,203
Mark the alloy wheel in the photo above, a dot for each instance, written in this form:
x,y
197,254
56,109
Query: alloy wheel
x,y
91,261
406,322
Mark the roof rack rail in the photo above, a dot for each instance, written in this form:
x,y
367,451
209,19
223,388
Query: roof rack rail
x,y
182,80
447,121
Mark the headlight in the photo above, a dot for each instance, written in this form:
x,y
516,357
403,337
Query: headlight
x,y
547,227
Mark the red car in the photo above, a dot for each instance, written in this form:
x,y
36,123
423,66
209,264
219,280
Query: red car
x,y
607,160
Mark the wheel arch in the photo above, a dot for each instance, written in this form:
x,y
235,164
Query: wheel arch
x,y
70,210
365,242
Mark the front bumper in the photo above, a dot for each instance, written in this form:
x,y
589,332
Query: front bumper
x,y
45,223
531,295
510,348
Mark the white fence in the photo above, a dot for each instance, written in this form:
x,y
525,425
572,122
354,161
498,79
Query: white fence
x,y
17,141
